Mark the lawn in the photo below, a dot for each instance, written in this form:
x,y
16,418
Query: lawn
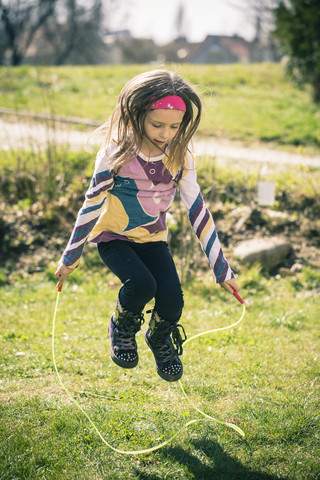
x,y
262,376
250,103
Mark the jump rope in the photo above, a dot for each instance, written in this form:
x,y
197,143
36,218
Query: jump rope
x,y
186,425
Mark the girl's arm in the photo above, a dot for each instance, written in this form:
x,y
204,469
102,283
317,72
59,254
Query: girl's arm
x,y
203,225
101,182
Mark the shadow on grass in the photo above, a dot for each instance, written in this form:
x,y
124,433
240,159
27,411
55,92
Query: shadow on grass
x,y
222,466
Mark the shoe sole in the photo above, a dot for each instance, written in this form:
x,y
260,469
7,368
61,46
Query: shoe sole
x,y
118,361
164,376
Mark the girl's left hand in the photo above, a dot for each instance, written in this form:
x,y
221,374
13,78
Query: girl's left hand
x,y
230,285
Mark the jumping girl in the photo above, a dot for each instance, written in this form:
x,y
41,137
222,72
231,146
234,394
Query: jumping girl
x,y
144,161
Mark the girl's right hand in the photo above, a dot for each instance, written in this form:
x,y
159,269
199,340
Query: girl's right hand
x,y
62,272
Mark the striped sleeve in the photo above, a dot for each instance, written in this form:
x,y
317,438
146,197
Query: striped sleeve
x,y
101,182
202,223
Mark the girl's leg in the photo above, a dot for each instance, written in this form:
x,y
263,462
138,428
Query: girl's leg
x,y
166,313
138,288
169,295
139,285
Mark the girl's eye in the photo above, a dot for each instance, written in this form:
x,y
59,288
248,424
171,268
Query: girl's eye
x,y
174,127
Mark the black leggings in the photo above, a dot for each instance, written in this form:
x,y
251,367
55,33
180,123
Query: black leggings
x,y
147,271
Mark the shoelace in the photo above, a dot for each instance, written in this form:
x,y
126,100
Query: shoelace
x,y
177,338
166,351
126,336
125,340
138,321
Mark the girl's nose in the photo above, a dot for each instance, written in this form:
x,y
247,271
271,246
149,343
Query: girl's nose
x,y
165,133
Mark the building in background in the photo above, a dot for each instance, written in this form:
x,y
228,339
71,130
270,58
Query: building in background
x,y
120,47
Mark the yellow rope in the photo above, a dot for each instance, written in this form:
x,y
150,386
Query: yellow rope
x,y
186,425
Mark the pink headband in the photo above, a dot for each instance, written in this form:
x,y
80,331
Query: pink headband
x,y
172,102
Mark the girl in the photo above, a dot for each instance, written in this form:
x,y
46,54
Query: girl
x,y
145,159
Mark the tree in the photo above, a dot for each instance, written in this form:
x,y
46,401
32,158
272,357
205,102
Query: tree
x,y
258,13
75,34
56,31
297,26
20,20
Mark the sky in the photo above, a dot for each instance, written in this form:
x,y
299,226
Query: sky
x,y
157,19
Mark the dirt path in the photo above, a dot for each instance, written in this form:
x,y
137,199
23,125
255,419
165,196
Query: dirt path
x,y
35,135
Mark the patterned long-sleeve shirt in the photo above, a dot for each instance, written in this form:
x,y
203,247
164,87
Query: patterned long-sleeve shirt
x,y
132,205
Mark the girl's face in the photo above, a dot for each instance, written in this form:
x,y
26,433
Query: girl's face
x,y
160,126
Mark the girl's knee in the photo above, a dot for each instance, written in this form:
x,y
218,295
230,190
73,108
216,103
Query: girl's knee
x,y
146,288
142,289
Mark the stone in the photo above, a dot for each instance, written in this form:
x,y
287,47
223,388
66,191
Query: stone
x,y
296,267
269,252
286,272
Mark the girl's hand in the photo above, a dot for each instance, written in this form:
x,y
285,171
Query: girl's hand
x,y
62,272
230,285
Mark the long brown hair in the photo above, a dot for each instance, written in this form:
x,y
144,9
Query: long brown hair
x,y
126,123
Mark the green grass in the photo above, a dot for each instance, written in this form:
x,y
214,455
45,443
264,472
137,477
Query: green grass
x,y
242,102
262,376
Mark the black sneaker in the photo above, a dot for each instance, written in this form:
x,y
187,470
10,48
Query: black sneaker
x,y
122,329
158,339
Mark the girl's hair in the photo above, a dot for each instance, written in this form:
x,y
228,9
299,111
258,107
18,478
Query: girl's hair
x,y
126,124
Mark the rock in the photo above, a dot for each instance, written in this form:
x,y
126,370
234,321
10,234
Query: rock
x,y
296,267
286,272
269,252
290,272
241,223
237,212
247,217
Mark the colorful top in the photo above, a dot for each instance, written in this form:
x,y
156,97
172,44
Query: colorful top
x,y
132,205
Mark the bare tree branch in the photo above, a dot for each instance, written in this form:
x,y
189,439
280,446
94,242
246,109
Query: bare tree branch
x,y
259,13
20,21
